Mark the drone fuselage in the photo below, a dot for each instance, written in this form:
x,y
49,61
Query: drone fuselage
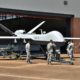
x,y
53,35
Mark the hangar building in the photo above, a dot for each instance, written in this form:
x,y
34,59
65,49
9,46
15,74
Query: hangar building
x,y
61,15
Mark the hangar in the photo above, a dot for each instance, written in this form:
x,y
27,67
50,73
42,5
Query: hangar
x,y
23,19
62,15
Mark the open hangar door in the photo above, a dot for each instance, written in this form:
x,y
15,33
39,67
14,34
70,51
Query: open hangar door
x,y
15,20
59,24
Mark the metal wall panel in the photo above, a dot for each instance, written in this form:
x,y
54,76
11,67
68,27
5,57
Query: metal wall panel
x,y
75,32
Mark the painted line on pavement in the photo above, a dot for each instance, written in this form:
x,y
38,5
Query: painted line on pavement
x,y
28,77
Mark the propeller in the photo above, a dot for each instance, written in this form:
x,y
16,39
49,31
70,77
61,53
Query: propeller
x,y
6,29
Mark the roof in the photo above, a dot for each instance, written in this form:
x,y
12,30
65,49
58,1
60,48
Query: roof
x,y
32,13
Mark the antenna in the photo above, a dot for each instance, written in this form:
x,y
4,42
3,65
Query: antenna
x,y
41,31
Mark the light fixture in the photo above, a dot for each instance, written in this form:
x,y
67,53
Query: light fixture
x,y
65,2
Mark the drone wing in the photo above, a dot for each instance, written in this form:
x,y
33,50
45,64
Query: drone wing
x,y
32,30
72,38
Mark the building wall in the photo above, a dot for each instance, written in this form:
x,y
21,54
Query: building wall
x,y
75,31
54,6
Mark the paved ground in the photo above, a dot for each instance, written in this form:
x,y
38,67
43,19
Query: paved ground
x,y
39,70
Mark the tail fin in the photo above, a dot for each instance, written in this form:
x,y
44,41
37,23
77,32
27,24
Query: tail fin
x,y
6,29
32,30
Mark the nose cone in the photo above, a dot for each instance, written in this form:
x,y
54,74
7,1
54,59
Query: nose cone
x,y
56,36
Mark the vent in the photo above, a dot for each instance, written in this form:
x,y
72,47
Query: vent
x,y
65,2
